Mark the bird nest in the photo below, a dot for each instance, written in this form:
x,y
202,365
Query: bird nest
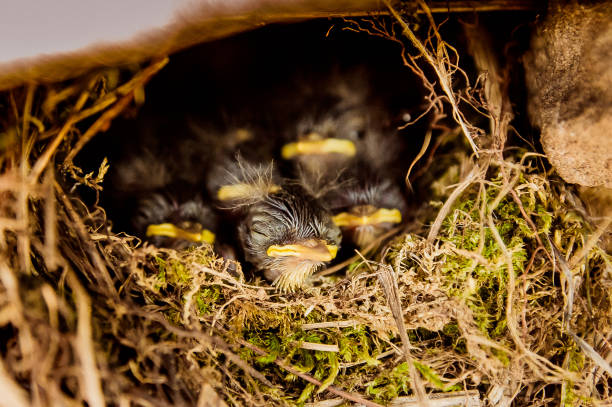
x,y
497,291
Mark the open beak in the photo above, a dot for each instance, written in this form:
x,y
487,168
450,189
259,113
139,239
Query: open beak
x,y
169,230
241,191
324,146
319,252
382,215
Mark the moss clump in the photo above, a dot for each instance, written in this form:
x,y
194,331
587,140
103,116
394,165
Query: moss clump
x,y
390,385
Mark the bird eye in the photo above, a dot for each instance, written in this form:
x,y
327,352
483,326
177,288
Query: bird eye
x,y
357,134
258,234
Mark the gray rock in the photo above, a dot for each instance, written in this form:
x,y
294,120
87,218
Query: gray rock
x,y
569,79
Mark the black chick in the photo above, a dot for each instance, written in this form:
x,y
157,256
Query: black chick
x,y
239,158
169,210
166,220
288,235
326,133
282,230
235,182
366,204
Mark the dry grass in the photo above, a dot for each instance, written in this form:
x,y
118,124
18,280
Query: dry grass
x,y
504,299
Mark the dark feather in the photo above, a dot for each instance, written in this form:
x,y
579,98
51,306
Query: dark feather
x,y
282,218
174,208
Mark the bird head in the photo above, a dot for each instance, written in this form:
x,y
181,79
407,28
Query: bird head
x,y
289,236
365,208
166,222
324,141
236,183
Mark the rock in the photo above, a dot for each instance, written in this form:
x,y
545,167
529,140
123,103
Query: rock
x,y
569,80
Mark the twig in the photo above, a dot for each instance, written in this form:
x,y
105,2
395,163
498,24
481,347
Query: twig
x,y
227,277
11,285
439,6
438,65
592,241
330,324
529,221
12,394
479,258
139,80
592,353
586,348
209,397
221,345
440,139
377,357
388,280
470,398
27,114
321,347
435,227
418,157
524,275
90,375
538,360
44,159
338,401
50,250
98,125
84,236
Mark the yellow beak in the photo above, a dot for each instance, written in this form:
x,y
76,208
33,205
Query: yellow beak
x,y
169,230
325,146
320,252
382,215
241,191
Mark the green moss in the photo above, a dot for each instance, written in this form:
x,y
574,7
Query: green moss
x,y
174,271
391,384
207,299
306,393
483,286
576,359
430,375
282,341
171,271
575,363
334,369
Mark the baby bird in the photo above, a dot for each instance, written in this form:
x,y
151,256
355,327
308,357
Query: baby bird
x,y
283,231
324,143
166,220
326,131
235,182
169,211
365,205
370,200
289,236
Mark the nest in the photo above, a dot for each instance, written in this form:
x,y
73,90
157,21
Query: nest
x,y
498,294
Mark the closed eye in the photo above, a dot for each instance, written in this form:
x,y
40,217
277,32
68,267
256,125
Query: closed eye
x,y
258,234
